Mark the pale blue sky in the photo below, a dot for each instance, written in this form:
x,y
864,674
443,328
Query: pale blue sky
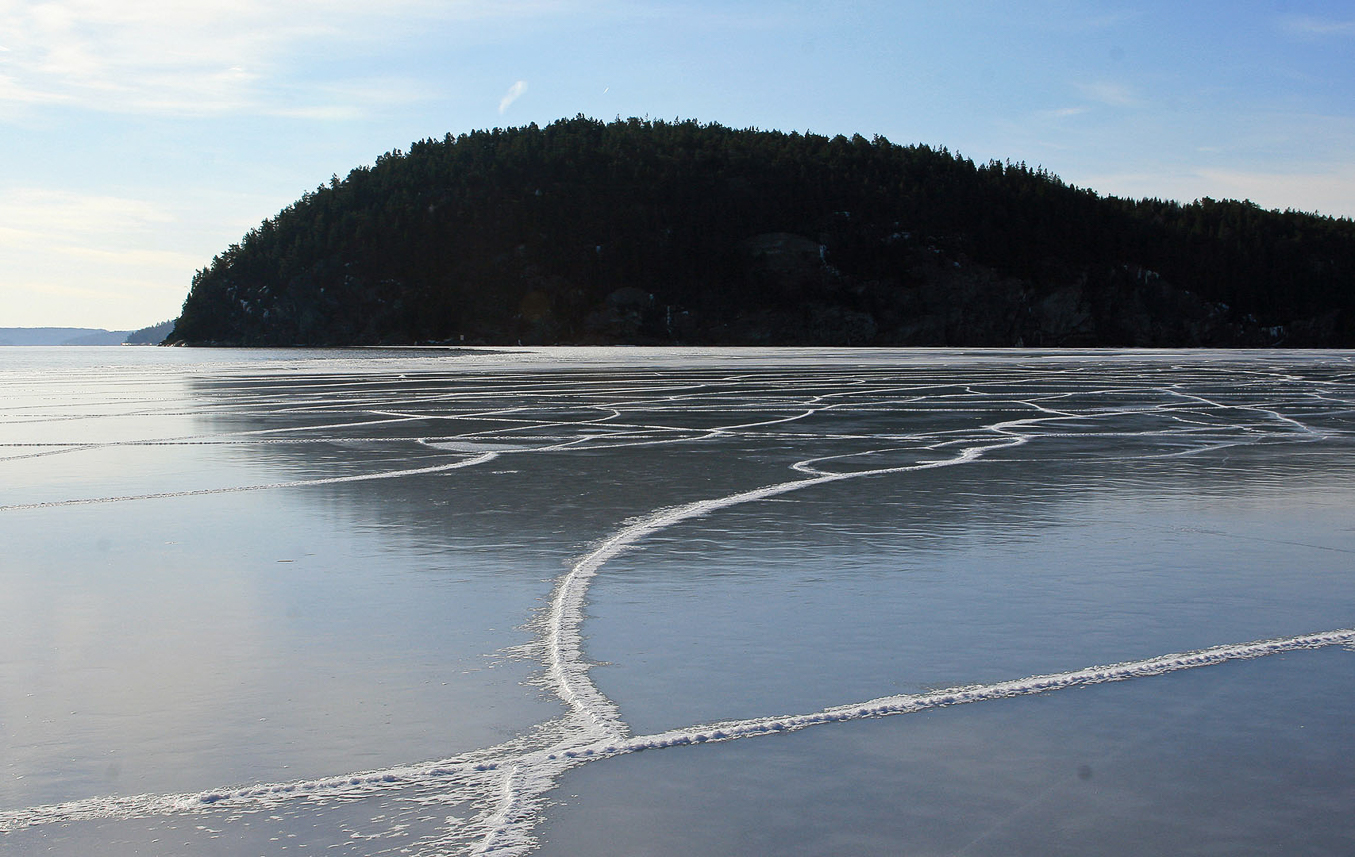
x,y
141,138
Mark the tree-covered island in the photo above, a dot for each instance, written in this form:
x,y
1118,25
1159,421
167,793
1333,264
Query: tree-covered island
x,y
650,232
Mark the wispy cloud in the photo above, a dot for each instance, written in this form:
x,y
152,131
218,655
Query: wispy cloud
x,y
142,57
513,94
14,91
1111,94
323,113
347,100
139,258
1061,112
1086,23
45,289
1310,26
208,56
65,215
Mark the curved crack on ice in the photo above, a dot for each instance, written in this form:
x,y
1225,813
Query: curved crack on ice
x,y
235,489
508,783
567,669
532,770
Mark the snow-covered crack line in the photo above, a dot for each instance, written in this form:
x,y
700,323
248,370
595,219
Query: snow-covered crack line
x,y
517,776
507,784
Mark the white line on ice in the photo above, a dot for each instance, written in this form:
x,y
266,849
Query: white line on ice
x,y
886,706
508,782
566,667
298,483
514,757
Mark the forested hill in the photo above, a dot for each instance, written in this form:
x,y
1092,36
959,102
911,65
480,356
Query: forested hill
x,y
654,232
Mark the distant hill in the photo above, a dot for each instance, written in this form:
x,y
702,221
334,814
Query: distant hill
x,y
60,336
654,232
153,335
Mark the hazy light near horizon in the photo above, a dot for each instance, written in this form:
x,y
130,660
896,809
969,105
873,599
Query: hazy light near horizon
x,y
145,137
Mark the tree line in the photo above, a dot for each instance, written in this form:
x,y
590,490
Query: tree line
x,y
652,231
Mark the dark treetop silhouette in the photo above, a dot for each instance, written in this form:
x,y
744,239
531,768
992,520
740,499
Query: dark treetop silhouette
x,y
653,232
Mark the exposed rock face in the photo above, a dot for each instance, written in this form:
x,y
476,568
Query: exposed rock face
x,y
1062,317
784,255
622,316
954,302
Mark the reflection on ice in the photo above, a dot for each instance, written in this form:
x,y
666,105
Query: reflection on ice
x,y
700,521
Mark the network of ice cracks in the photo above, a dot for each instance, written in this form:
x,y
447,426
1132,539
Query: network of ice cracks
x,y
508,784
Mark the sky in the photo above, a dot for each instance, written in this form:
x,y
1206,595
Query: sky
x,y
142,137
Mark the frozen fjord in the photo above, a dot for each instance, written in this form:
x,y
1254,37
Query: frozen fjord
x,y
288,567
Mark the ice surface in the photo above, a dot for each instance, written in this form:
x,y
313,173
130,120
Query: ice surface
x,y
304,592
1195,763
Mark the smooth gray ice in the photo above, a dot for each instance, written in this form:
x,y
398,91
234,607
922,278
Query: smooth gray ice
x,y
418,601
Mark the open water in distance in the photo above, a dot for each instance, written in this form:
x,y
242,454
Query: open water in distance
x,y
910,602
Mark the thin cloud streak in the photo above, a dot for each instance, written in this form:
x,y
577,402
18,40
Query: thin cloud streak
x,y
514,93
1110,94
1309,26
207,57
1062,112
62,213
167,259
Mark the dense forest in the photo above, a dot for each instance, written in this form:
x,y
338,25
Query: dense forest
x,y
653,232
151,335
